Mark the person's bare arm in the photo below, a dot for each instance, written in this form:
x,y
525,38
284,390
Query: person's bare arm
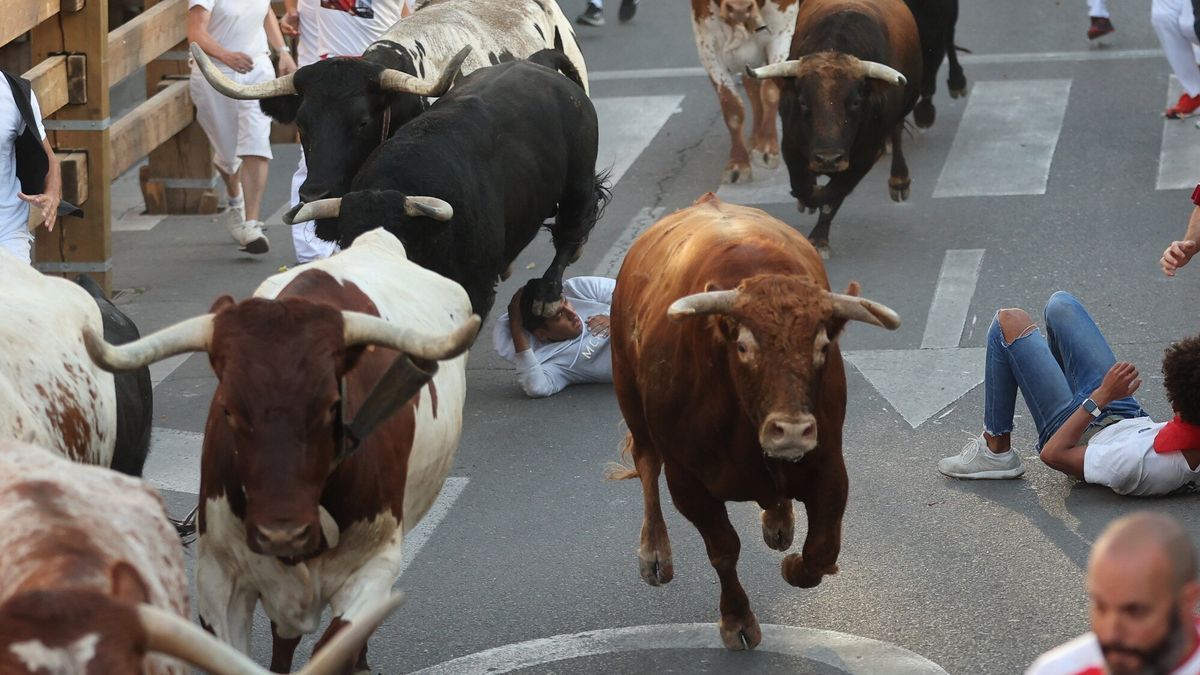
x,y
287,65
520,344
1062,451
1179,253
197,31
289,23
52,194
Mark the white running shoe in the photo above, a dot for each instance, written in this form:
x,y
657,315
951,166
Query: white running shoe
x,y
251,238
977,462
234,217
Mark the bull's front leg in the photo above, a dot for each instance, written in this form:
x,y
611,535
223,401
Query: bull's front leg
x,y
825,503
737,169
738,625
779,524
764,104
364,586
899,183
226,607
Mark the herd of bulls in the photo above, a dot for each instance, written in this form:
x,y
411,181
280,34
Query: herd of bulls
x,y
341,383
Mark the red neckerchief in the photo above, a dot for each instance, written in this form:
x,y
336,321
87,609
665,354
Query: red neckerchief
x,y
1176,436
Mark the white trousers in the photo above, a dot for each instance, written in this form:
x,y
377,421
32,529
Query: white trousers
x,y
235,129
304,235
1172,20
1098,8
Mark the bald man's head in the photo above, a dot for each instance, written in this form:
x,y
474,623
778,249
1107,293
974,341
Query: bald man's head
x,y
1143,588
1144,532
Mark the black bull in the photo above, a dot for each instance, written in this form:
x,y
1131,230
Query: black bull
x,y
467,185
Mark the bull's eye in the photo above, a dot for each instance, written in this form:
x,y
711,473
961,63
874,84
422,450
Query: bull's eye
x,y
742,348
854,104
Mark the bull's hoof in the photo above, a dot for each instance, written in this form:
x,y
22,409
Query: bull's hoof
x,y
547,309
798,574
766,159
822,246
805,208
899,190
740,633
957,87
737,173
777,532
924,114
656,567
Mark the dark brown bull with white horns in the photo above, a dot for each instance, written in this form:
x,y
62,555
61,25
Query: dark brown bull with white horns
x,y
728,373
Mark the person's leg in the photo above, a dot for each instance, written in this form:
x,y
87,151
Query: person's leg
x,y
218,117
254,183
304,235
1176,39
593,14
233,183
1081,350
1097,8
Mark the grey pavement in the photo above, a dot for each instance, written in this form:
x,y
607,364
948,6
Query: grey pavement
x,y
975,577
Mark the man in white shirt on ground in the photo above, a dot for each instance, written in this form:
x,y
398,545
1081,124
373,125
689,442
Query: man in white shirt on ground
x,y
572,347
1142,584
1081,401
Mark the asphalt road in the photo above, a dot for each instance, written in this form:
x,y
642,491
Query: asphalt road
x,y
532,542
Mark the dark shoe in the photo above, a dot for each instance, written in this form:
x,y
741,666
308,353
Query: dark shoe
x,y
592,16
1184,107
1100,26
628,9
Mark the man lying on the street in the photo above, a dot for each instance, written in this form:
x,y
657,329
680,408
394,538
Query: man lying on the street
x,y
1081,400
552,353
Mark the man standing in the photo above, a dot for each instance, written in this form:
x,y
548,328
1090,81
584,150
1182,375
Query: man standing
x,y
552,353
17,137
1142,584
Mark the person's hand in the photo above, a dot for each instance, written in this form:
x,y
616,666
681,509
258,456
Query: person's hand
x,y
48,203
289,23
287,65
598,325
1120,381
239,61
1178,254
514,309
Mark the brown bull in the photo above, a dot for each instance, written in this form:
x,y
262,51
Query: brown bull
x,y
852,75
728,373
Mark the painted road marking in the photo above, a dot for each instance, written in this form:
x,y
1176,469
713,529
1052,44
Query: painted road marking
x,y
174,460
918,383
965,59
1005,142
952,298
1180,154
842,652
770,186
627,125
161,370
419,535
611,263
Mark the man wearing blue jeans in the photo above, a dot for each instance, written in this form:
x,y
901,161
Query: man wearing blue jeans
x,y
1081,400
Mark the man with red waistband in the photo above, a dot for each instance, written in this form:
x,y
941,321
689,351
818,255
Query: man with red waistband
x,y
1143,589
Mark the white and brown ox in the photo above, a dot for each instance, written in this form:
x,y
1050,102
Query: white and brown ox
x,y
92,580
727,369
732,35
328,438
51,394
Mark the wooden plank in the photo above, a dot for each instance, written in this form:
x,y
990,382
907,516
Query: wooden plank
x,y
145,38
21,16
150,124
49,80
74,183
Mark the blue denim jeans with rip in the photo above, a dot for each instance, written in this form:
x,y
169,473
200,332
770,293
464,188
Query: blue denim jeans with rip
x,y
1054,373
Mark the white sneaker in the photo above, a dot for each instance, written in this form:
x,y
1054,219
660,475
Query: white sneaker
x,y
234,217
976,461
251,238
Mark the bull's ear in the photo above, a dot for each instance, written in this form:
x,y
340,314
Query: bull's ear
x,y
221,303
282,109
127,584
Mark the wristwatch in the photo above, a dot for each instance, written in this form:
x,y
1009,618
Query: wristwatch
x,y
1090,406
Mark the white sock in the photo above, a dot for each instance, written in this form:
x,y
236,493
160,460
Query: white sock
x,y
236,201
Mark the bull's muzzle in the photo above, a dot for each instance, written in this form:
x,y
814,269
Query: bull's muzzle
x,y
284,540
829,161
789,437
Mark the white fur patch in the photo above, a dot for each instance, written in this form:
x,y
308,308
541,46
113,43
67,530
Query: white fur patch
x,y
73,659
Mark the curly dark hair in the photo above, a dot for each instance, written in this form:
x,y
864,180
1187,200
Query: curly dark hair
x,y
1181,378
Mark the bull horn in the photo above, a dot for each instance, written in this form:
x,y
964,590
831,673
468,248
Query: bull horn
x,y
172,635
430,207
364,329
781,69
280,86
329,527
192,335
402,83
854,308
322,208
879,71
710,302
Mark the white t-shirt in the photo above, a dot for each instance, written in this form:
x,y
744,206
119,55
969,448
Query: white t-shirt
x,y
237,25
548,367
14,213
1082,656
348,27
1122,456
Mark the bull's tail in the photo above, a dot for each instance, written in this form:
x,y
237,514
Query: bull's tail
x,y
964,50
622,470
602,188
557,60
